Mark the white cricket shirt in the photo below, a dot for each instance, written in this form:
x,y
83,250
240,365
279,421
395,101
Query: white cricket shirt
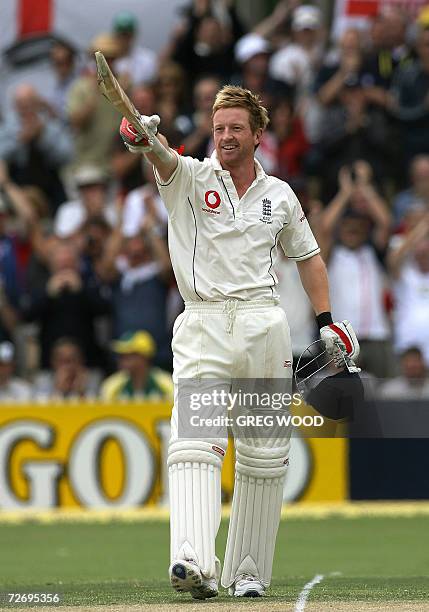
x,y
223,247
357,283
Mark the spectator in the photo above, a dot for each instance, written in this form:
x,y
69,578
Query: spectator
x,y
206,45
172,100
275,27
67,306
410,100
252,53
135,65
34,145
408,262
95,235
291,142
137,378
11,389
298,61
139,201
14,253
413,381
171,86
20,252
68,378
63,62
352,129
199,140
141,280
357,278
417,192
389,48
340,65
91,183
94,120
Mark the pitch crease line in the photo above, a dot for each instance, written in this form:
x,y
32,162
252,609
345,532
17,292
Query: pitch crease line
x,y
303,596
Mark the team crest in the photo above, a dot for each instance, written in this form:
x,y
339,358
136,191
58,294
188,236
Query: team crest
x,y
266,211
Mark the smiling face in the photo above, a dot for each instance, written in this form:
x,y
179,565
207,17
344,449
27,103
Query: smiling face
x,y
233,137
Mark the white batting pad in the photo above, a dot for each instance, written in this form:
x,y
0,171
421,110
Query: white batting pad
x,y
256,508
195,503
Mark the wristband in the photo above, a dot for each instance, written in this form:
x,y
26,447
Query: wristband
x,y
323,319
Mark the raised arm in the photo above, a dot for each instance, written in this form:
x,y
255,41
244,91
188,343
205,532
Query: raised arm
x,y
377,207
397,256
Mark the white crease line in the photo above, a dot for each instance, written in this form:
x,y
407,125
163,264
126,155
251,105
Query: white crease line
x,y
303,596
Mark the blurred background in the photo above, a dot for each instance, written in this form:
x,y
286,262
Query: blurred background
x,y
87,294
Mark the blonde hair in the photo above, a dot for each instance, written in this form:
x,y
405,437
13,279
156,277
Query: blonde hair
x,y
232,96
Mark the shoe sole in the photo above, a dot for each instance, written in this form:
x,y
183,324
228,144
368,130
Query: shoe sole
x,y
252,593
185,579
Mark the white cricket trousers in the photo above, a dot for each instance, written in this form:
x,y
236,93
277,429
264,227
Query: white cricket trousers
x,y
227,340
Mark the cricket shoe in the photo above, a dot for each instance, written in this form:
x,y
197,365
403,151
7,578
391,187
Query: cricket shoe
x,y
247,586
186,577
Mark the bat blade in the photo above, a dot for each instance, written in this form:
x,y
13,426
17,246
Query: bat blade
x,y
112,90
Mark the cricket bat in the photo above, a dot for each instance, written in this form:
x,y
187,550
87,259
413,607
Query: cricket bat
x,y
110,88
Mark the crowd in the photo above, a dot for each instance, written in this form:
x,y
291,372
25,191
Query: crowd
x,y
87,294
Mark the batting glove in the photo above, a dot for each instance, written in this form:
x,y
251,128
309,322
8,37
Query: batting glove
x,y
341,342
135,142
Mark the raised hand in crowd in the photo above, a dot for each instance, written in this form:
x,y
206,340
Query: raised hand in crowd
x,y
418,233
282,11
357,192
70,381
369,201
63,280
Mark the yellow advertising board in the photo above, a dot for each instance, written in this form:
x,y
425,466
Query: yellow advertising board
x,y
100,455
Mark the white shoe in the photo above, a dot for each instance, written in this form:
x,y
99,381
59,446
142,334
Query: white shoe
x,y
186,577
247,586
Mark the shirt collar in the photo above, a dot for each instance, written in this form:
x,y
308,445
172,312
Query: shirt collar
x,y
260,172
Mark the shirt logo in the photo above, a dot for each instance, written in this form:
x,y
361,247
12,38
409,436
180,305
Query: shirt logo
x,y
212,199
266,211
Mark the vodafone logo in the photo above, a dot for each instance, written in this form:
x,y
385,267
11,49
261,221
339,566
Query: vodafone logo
x,y
212,199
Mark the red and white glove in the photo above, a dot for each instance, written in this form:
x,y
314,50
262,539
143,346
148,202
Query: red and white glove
x,y
341,342
135,142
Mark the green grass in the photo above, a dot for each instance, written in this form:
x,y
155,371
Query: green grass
x,y
380,559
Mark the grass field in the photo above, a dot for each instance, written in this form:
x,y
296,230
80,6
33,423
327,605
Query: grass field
x,y
367,563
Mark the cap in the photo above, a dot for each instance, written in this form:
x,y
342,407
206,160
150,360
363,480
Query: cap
x,y
107,44
124,22
250,45
135,342
306,17
89,175
7,352
423,17
69,221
